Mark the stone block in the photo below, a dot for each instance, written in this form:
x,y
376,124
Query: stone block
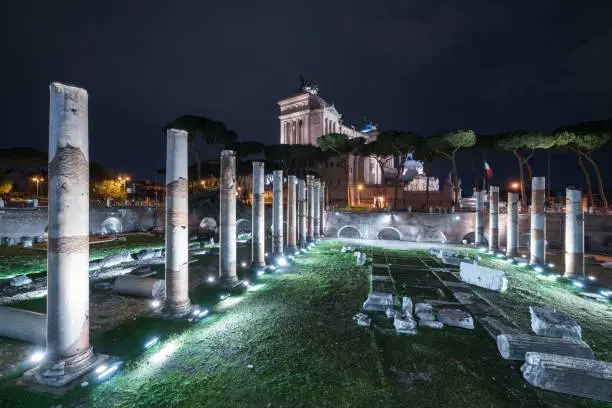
x,y
569,375
147,254
484,277
404,324
456,317
546,321
515,346
27,243
361,258
20,280
379,301
434,324
406,305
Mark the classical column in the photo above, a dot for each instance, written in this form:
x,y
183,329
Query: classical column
x,y
227,218
574,233
322,209
176,303
291,212
277,214
538,220
306,129
479,232
493,217
301,213
259,230
317,208
68,250
311,207
512,225
282,131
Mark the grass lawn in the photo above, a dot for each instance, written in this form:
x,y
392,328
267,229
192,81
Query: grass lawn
x,y
15,260
297,333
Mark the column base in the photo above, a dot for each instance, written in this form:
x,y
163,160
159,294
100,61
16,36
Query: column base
x,y
512,254
175,311
574,265
258,265
61,376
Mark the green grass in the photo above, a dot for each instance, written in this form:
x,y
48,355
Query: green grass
x,y
15,260
296,330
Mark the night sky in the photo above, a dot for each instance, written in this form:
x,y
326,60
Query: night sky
x,y
425,66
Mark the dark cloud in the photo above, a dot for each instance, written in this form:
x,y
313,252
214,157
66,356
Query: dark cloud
x,y
423,66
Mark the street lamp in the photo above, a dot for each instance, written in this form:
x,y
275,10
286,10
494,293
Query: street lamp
x,y
123,180
514,185
37,180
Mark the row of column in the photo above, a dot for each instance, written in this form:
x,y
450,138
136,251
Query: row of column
x,y
295,131
574,225
68,251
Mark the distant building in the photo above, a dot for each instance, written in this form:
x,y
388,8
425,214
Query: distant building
x,y
305,116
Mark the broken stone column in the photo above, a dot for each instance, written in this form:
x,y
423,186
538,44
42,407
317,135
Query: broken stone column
x,y
493,218
23,325
479,231
311,207
514,346
538,220
139,286
512,225
302,213
546,321
227,219
322,211
484,277
574,233
177,303
277,214
258,252
291,212
68,248
569,375
316,200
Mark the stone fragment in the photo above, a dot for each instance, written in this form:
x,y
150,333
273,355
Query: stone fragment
x,y
390,313
406,305
424,311
361,258
465,298
147,254
362,319
379,301
514,346
116,259
404,324
484,277
434,324
20,280
456,317
569,375
27,243
546,321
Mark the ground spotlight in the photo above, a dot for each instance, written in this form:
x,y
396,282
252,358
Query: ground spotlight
x,y
281,261
243,264
260,272
151,342
592,278
37,357
155,303
538,269
578,284
210,279
551,265
246,283
108,372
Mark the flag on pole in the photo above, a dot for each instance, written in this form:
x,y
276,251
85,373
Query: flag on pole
x,y
488,170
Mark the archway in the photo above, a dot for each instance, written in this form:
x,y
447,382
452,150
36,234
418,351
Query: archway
x,y
389,233
432,236
470,237
349,231
111,225
208,224
243,229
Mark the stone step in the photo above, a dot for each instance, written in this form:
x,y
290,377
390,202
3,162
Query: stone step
x,y
569,375
514,346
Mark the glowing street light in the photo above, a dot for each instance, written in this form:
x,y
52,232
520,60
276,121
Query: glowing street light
x,y
37,180
123,180
514,185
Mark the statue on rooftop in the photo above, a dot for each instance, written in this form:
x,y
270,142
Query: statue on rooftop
x,y
308,86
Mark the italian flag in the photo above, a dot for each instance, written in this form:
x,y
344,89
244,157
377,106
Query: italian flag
x,y
488,170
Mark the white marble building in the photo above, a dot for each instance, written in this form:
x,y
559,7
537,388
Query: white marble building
x,y
305,116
